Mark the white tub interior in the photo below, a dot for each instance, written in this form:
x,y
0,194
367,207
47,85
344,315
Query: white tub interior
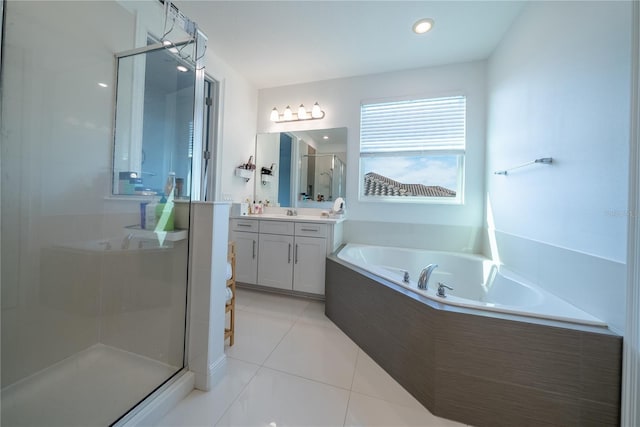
x,y
477,282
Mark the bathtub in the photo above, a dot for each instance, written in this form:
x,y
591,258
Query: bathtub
x,y
477,282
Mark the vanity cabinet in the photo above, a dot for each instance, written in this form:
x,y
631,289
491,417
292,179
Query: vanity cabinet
x,y
275,266
245,234
291,255
310,254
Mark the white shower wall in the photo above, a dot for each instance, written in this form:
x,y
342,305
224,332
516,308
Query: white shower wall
x,y
62,293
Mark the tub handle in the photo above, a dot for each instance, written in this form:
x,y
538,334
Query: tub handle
x,y
441,292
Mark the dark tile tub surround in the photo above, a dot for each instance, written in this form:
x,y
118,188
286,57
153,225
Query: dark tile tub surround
x,y
475,367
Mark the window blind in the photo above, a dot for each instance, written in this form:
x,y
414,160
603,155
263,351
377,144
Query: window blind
x,y
413,126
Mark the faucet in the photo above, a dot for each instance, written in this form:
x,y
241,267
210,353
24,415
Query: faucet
x,y
291,212
126,241
423,280
441,292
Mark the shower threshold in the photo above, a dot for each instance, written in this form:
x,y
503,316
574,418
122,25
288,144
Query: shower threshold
x,y
91,388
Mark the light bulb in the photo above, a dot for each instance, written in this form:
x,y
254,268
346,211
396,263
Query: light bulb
x,y
423,25
288,114
274,115
316,112
302,113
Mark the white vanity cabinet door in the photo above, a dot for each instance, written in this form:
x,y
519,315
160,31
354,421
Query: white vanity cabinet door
x,y
246,256
309,264
275,264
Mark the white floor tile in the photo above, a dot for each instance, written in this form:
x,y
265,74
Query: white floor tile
x,y
317,353
201,408
282,306
256,335
372,380
277,399
314,315
368,411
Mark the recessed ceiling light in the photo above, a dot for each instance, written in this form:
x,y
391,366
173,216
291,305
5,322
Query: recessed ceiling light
x,y
325,137
166,43
173,49
103,85
423,25
182,68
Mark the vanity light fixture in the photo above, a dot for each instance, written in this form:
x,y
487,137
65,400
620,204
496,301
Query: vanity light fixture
x,y
302,114
288,114
423,26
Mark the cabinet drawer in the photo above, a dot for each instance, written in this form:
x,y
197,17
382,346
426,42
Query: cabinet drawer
x,y
311,229
244,225
277,227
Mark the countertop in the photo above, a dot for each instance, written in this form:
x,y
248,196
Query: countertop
x,y
294,218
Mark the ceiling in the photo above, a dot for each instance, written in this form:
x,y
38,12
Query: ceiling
x,y
278,43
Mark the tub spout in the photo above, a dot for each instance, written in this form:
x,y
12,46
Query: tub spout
x,y
425,274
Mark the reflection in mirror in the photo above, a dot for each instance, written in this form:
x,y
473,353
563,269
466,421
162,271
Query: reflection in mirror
x,y
301,168
154,122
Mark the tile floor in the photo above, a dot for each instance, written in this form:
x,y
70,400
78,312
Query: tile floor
x,y
291,366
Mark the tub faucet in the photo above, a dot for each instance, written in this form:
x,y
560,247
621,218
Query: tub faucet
x,y
405,277
126,241
423,280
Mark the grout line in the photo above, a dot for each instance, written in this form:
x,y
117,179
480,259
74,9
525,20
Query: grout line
x,y
353,377
279,342
305,378
239,394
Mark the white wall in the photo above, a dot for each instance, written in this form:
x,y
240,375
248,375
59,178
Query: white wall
x,y
237,134
558,86
341,99
562,93
267,152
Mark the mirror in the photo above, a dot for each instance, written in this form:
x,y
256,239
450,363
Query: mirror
x,y
154,121
301,168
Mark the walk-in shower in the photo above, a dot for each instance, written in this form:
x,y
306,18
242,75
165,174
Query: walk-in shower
x,y
93,307
325,177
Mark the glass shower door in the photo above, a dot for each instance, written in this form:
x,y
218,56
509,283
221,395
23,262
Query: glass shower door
x,y
93,306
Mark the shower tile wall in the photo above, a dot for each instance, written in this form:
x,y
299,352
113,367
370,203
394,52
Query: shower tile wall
x,y
145,291
55,158
78,310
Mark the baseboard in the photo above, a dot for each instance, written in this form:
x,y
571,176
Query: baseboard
x,y
269,289
218,369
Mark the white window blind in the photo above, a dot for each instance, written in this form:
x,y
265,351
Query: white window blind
x,y
413,126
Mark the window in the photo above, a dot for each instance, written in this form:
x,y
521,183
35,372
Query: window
x,y
413,150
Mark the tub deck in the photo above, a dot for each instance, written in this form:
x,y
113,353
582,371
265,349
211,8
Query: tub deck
x,y
480,368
